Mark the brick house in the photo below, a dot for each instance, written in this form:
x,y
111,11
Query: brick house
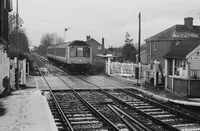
x,y
97,48
161,43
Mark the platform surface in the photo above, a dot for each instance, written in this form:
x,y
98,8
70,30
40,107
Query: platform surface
x,y
26,110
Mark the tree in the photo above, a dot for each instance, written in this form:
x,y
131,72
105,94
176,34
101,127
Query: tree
x,y
57,39
23,42
128,50
47,40
128,40
23,39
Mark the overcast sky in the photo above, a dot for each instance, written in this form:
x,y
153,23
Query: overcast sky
x,y
110,19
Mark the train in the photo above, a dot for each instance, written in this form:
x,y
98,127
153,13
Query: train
x,y
75,56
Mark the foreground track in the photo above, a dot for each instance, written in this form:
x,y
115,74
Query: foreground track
x,y
84,113
164,116
130,110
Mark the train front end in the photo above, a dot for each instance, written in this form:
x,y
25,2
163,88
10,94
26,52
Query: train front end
x,y
79,56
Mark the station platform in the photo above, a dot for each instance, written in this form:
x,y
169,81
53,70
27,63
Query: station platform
x,y
162,95
26,110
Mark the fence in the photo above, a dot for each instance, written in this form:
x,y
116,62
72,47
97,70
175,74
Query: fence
x,y
125,69
195,73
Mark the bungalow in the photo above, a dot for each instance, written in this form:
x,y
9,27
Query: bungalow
x,y
161,43
182,69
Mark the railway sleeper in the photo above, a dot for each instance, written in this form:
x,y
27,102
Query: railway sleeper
x,y
172,120
77,112
140,104
81,118
90,127
152,110
145,107
79,115
163,116
189,128
185,124
157,113
85,122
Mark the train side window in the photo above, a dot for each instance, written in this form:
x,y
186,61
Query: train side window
x,y
86,52
79,51
72,51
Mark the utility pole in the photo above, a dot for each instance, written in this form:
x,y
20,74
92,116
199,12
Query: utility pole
x,y
17,35
139,39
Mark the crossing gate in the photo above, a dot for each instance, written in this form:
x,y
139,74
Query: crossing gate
x,y
125,69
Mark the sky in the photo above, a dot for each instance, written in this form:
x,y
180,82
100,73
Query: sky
x,y
110,19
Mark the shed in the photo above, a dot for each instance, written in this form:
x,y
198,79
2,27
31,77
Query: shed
x,y
182,68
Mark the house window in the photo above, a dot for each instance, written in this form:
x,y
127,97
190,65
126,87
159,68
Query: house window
x,y
179,64
154,46
99,47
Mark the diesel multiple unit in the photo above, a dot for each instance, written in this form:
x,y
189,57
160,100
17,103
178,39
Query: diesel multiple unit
x,y
75,56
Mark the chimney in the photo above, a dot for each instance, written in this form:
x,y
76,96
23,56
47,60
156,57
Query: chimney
x,y
87,37
102,45
188,22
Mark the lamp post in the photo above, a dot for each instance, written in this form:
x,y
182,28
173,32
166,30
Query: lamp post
x,y
17,36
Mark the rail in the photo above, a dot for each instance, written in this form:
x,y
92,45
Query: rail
x,y
115,128
56,102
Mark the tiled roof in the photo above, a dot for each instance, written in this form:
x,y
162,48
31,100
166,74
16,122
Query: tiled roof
x,y
183,49
91,41
78,43
177,32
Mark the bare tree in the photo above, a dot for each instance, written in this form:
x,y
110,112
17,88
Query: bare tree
x,y
47,40
57,39
23,39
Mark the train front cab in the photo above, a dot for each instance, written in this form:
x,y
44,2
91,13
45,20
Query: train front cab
x,y
80,58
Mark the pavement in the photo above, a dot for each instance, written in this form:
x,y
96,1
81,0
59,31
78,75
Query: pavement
x,y
162,95
26,110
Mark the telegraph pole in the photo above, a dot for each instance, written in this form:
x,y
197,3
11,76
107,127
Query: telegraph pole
x,y
17,35
139,39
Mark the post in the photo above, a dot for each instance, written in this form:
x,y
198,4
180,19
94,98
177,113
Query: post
x,y
17,28
139,37
108,66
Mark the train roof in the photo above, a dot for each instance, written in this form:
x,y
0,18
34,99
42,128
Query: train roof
x,y
58,45
78,43
73,43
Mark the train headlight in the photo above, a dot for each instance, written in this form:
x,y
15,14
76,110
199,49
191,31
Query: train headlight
x,y
80,61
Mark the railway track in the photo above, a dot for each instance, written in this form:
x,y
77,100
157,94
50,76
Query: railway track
x,y
127,105
83,113
167,117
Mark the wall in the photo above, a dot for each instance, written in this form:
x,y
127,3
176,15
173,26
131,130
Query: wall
x,y
162,47
94,44
194,60
181,87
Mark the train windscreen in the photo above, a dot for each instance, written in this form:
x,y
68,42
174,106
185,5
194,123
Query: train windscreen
x,y
79,52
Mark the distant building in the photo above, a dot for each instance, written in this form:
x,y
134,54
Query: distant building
x,y
143,57
97,48
161,43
